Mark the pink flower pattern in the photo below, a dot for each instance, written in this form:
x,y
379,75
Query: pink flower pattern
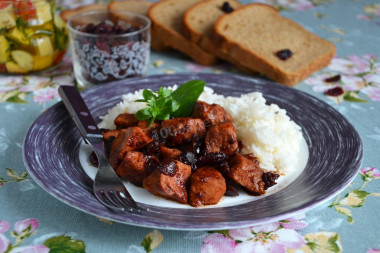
x,y
21,229
358,75
4,243
373,251
22,225
369,173
272,237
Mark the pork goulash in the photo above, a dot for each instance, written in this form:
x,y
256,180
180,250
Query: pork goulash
x,y
196,156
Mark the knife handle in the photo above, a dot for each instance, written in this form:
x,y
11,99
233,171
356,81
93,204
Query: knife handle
x,y
79,111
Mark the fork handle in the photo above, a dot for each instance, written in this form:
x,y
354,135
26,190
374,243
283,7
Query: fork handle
x,y
79,111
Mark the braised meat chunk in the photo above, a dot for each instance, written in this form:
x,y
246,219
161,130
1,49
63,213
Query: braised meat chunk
x,y
169,181
132,168
207,187
211,114
129,139
107,135
193,160
222,138
248,174
144,124
182,130
170,153
125,120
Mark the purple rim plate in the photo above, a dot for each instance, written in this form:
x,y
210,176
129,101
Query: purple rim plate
x,y
52,143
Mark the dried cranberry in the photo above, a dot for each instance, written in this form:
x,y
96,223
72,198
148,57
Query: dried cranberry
x,y
190,159
334,92
284,54
151,164
90,28
231,188
93,159
211,158
168,167
269,179
153,148
333,79
223,167
227,8
195,146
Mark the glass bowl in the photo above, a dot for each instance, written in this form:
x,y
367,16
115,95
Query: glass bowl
x,y
108,46
32,36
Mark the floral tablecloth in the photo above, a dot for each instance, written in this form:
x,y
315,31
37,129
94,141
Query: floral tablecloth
x,y
33,221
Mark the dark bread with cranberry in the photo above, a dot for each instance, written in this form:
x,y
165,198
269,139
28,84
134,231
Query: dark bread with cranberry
x,y
67,14
167,20
139,7
277,47
198,26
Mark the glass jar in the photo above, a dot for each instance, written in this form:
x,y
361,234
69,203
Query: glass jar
x,y
32,36
109,46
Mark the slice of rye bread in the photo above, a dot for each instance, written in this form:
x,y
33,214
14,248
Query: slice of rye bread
x,y
139,7
167,20
67,14
254,33
198,27
199,19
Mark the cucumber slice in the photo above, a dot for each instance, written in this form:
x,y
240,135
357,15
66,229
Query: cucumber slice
x,y
23,59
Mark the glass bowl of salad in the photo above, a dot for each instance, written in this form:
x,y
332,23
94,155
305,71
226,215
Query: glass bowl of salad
x,y
33,37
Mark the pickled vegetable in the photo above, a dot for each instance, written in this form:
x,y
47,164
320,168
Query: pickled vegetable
x,y
4,49
23,59
32,36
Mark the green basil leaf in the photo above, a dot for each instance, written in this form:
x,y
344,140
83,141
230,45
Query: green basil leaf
x,y
164,92
187,95
140,100
163,116
174,105
161,101
151,121
148,95
143,114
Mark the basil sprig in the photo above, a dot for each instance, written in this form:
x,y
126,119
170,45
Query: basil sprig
x,y
165,103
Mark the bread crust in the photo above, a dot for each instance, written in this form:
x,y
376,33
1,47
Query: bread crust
x,y
67,14
175,39
188,28
204,38
238,50
140,7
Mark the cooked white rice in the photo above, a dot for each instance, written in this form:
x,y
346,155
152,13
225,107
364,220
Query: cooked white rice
x,y
264,130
